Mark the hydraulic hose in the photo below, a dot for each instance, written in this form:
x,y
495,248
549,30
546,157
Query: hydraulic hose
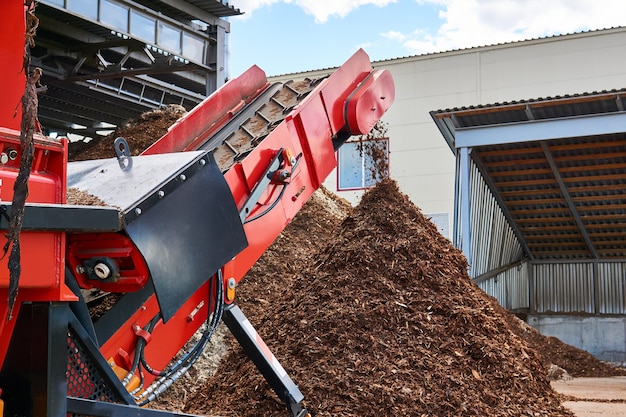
x,y
178,369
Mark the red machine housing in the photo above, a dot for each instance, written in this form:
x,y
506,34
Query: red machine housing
x,y
327,112
42,252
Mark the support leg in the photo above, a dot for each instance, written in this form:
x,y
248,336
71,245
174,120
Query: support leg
x,y
262,357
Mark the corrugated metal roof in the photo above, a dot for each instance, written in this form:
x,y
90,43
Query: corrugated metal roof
x,y
566,197
215,7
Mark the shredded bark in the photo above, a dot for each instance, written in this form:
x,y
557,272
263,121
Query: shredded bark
x,y
140,133
371,312
386,321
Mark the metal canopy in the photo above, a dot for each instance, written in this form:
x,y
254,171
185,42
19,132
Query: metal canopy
x,y
557,168
100,74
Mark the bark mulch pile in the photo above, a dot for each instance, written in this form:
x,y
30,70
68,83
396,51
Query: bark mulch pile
x,y
371,312
386,321
140,133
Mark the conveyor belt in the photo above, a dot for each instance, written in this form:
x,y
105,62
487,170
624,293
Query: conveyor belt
x,y
252,124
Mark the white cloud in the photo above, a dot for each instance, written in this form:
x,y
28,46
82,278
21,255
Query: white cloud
x,y
470,23
394,35
320,10
249,6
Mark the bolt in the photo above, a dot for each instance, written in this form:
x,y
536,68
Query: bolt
x,y
161,193
182,177
137,211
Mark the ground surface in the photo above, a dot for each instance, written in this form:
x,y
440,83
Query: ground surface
x,y
371,312
594,397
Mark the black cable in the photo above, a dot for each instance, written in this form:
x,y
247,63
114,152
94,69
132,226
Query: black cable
x,y
167,378
267,210
277,199
141,344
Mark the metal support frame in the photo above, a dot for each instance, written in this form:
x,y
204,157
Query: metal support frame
x,y
464,203
256,349
261,186
538,130
568,199
98,408
64,217
48,368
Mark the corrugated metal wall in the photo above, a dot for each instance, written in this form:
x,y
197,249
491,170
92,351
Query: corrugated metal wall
x,y
592,287
610,288
563,288
569,287
510,287
493,243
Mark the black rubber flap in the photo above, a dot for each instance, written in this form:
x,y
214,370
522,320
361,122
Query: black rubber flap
x,y
188,235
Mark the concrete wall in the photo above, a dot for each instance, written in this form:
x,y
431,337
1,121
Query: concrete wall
x,y
420,159
603,337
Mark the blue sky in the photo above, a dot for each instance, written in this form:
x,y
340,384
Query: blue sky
x,y
286,36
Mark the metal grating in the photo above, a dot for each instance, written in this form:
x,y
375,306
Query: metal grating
x,y
83,377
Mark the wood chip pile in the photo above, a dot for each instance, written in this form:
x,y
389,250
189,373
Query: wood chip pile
x,y
371,312
140,133
385,321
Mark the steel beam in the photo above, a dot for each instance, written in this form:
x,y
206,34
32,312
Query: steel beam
x,y
536,130
568,199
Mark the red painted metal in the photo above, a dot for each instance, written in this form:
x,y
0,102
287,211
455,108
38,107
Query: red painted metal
x,y
42,253
193,129
12,33
132,272
369,102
